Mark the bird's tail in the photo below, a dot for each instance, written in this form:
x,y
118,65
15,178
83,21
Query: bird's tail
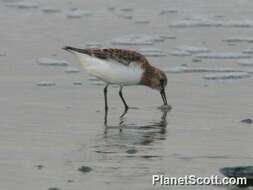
x,y
80,53
73,50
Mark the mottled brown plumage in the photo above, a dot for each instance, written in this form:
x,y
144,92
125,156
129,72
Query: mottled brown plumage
x,y
121,55
151,76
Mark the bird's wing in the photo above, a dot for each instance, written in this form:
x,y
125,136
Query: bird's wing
x,y
122,56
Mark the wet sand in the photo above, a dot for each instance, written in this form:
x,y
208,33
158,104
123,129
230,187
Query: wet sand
x,y
49,132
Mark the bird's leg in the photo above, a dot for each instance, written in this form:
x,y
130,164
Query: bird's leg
x,y
106,105
105,121
122,98
105,118
124,113
105,95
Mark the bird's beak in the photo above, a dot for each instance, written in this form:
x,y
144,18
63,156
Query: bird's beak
x,y
162,92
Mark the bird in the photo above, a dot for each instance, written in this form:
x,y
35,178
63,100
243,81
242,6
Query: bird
x,y
121,67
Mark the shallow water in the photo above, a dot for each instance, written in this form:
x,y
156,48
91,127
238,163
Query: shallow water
x,y
52,119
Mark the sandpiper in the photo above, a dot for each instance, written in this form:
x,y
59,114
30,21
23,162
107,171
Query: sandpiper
x,y
121,67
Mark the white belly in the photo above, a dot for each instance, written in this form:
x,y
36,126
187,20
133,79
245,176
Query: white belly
x,y
112,72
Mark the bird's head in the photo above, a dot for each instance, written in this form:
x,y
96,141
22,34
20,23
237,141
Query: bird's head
x,y
156,79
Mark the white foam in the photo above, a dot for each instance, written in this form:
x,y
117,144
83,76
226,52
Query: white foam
x,y
77,83
137,39
152,52
46,83
177,69
23,5
239,39
141,20
98,83
194,23
51,62
193,49
127,9
205,22
93,45
125,15
180,53
77,13
246,62
50,10
91,78
165,37
224,76
248,51
72,70
219,55
168,11
237,23
11,1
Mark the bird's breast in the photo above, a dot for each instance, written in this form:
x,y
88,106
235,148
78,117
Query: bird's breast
x,y
112,71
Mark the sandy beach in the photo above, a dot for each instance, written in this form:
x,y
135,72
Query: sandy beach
x,y
52,112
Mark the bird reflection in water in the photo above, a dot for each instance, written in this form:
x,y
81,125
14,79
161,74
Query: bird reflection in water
x,y
150,129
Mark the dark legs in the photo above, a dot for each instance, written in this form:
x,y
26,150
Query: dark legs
x,y
106,104
122,98
106,108
120,94
105,95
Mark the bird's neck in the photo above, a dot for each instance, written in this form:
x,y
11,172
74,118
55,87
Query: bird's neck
x,y
147,76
